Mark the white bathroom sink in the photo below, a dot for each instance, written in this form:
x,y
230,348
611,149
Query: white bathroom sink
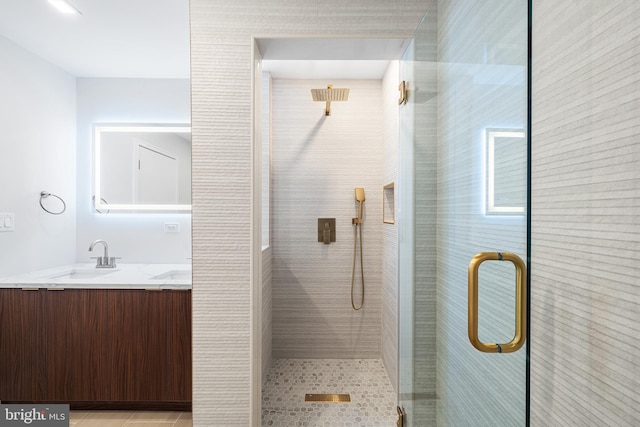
x,y
174,275
80,274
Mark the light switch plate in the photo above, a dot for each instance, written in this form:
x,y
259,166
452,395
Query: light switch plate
x,y
171,227
7,221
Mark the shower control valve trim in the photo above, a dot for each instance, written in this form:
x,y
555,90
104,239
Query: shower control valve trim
x,y
326,230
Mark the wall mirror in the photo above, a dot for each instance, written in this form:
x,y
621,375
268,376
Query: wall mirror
x,y
142,168
506,178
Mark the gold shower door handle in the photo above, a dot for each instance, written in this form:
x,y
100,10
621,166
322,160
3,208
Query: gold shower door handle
x,y
521,302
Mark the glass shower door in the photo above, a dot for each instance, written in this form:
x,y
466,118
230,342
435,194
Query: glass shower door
x,y
463,191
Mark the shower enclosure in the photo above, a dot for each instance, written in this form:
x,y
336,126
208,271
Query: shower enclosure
x,y
463,191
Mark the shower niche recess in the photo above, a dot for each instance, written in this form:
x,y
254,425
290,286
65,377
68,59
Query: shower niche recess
x,y
388,203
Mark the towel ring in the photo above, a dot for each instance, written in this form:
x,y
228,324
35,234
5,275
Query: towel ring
x,y
93,199
44,195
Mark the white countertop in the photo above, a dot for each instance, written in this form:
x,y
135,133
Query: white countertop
x,y
87,276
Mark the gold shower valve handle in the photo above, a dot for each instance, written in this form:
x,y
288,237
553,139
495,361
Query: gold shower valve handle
x,y
326,230
521,303
356,221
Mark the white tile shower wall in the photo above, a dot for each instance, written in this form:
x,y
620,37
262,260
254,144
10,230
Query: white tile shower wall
x,y
267,290
221,64
136,238
585,307
266,159
267,286
389,292
317,161
37,153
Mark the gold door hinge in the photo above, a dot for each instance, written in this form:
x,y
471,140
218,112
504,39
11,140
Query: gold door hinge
x,y
404,93
401,415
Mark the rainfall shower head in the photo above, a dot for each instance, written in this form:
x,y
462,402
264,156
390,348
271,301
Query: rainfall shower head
x,y
328,95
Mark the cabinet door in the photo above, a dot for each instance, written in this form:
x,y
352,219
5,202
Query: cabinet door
x,y
22,338
179,346
76,363
137,342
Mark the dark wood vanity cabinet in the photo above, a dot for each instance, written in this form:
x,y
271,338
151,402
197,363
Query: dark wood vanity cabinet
x,y
137,341
93,348
22,346
150,335
76,353
179,346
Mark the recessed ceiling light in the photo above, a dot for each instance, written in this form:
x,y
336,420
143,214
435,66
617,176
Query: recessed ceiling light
x,y
65,7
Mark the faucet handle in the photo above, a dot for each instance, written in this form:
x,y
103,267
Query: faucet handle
x,y
111,261
98,261
106,262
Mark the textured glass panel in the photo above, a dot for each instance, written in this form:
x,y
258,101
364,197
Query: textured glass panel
x,y
469,77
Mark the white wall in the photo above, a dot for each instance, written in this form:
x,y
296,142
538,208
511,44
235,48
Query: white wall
x,y
137,238
317,161
37,153
585,302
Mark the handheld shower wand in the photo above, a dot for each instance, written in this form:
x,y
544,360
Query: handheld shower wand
x,y
358,223
360,199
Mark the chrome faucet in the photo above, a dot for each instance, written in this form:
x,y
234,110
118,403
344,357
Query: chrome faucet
x,y
103,261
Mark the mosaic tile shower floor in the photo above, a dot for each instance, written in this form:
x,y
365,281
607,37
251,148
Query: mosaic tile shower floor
x,y
373,401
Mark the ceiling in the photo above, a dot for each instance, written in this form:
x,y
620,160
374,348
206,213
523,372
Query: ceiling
x,y
315,58
150,39
112,38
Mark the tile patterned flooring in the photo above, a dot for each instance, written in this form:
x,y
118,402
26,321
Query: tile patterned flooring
x,y
373,400
129,419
